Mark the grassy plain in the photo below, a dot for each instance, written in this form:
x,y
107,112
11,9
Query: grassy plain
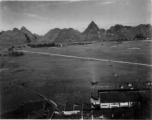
x,y
69,79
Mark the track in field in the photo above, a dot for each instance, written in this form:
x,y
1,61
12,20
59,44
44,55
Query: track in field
x,y
87,58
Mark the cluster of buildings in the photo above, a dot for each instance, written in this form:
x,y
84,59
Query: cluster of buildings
x,y
109,100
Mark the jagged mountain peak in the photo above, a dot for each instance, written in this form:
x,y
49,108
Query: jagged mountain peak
x,y
92,32
92,28
93,25
23,28
15,29
28,34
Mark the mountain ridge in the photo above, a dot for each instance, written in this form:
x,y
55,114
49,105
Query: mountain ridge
x,y
13,37
28,34
91,33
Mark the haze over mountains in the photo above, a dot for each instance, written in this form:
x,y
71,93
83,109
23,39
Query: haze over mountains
x,y
91,33
61,35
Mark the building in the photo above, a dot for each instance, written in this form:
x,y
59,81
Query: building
x,y
74,112
108,99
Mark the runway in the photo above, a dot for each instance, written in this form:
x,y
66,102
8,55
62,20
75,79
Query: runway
x,y
87,58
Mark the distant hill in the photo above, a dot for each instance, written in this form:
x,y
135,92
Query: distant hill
x,y
2,32
142,31
37,38
61,35
92,32
50,36
13,37
28,34
68,35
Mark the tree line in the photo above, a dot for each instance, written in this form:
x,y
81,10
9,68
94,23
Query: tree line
x,y
43,45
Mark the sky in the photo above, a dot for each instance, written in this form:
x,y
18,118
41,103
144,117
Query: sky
x,y
41,16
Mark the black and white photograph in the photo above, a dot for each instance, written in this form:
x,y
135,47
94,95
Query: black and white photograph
x,y
76,59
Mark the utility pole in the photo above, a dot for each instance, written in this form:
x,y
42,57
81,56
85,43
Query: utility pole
x,y
82,112
74,107
65,106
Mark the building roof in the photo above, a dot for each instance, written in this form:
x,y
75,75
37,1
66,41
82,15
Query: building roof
x,y
125,90
107,97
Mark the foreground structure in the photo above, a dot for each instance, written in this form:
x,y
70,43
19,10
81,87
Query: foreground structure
x,y
116,99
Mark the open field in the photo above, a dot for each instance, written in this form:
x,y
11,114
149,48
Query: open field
x,y
68,79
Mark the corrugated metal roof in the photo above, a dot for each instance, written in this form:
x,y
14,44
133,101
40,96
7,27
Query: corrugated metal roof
x,y
125,90
119,97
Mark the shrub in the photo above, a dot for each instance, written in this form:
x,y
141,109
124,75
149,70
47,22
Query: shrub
x,y
16,54
43,45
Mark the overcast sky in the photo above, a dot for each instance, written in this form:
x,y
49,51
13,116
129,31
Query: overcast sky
x,y
39,17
